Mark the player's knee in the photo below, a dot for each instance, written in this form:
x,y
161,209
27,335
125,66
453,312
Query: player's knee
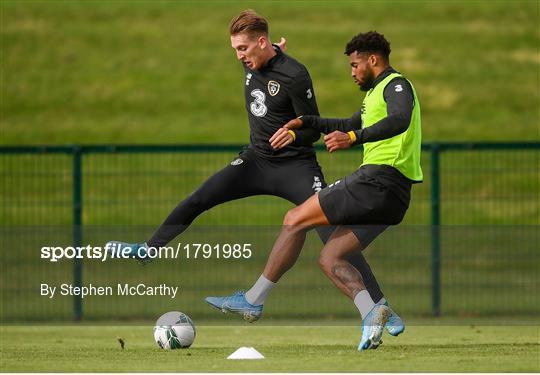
x,y
196,202
293,218
325,262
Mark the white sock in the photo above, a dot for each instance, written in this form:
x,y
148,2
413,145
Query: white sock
x,y
382,301
258,292
364,303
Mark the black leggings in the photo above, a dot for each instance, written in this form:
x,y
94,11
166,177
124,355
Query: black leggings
x,y
292,179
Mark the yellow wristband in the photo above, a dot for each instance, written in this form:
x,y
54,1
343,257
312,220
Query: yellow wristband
x,y
292,134
352,135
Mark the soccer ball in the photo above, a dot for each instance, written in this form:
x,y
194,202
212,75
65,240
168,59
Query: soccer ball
x,y
174,330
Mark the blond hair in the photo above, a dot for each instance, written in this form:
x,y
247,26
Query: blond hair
x,y
250,23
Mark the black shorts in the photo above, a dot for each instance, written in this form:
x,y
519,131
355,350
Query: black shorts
x,y
294,179
375,195
249,174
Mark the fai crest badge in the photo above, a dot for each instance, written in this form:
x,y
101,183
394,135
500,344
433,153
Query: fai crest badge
x,y
273,88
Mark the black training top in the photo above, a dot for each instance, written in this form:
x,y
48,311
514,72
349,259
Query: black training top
x,y
277,93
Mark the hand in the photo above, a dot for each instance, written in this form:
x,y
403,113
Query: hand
x,y
282,44
281,138
294,123
337,140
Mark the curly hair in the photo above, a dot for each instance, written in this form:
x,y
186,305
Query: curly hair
x,y
371,41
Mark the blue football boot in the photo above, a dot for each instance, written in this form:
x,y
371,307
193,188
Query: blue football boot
x,y
373,327
137,251
237,304
394,325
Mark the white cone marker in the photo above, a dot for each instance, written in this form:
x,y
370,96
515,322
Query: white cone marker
x,y
246,353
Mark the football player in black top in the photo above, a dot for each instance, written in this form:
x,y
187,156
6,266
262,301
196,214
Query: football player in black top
x,y
277,89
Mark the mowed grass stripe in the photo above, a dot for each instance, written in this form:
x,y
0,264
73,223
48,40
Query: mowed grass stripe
x,y
287,349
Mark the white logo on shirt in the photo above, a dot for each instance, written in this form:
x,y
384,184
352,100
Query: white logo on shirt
x,y
309,94
317,184
399,88
273,87
248,77
257,107
237,161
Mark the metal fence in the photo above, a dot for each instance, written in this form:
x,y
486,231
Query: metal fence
x,y
488,188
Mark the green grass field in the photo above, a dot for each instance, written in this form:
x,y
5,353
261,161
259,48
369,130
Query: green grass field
x,y
164,71
454,348
156,72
